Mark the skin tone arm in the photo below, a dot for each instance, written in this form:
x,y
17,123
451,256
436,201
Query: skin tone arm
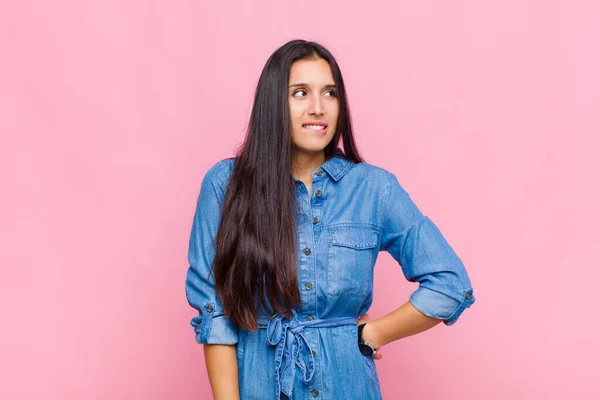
x,y
402,322
222,368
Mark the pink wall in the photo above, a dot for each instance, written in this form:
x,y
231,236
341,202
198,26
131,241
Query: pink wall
x,y
111,111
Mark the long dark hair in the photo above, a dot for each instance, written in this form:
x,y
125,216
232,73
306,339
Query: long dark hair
x,y
255,263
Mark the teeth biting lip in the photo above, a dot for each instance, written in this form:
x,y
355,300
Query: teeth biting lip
x,y
315,127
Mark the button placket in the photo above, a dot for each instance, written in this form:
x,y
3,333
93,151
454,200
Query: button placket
x,y
317,204
306,273
311,225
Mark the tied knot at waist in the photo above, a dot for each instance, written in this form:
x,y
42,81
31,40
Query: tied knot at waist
x,y
292,349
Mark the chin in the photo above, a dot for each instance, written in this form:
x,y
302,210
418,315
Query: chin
x,y
311,147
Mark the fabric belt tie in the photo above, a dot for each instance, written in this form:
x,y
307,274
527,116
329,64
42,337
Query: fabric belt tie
x,y
292,349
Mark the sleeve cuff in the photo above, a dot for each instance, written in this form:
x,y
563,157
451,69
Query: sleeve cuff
x,y
214,329
438,305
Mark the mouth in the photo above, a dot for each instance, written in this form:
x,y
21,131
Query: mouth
x,y
318,127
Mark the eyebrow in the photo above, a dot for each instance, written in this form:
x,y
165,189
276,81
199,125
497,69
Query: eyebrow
x,y
331,85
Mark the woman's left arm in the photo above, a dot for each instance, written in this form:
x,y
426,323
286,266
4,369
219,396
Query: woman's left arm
x,y
425,256
405,321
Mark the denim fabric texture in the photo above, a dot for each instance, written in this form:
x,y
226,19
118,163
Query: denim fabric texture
x,y
354,212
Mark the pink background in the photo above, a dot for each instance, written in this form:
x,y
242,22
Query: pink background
x,y
111,111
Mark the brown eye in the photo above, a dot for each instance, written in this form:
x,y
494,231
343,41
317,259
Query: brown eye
x,y
298,91
333,93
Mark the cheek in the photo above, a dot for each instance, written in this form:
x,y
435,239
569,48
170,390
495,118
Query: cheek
x,y
333,115
294,104
293,121
333,110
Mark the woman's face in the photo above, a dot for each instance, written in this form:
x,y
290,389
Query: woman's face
x,y
314,104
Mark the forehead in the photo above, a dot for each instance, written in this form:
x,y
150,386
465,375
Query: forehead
x,y
312,71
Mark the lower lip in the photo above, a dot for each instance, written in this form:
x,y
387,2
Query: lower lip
x,y
321,131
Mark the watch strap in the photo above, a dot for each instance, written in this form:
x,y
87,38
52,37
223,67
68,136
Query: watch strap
x,y
365,347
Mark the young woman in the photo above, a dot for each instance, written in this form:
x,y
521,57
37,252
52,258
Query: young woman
x,y
284,241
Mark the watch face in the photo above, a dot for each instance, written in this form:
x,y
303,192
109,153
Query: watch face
x,y
365,350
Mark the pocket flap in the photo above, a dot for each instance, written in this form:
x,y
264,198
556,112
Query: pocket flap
x,y
354,237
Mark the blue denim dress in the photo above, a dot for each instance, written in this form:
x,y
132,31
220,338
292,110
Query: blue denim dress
x,y
354,212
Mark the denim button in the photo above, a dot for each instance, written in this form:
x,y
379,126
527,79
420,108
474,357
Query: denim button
x,y
307,251
318,193
209,308
308,286
310,318
468,296
315,220
315,392
319,172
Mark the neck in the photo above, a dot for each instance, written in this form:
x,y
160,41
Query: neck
x,y
304,163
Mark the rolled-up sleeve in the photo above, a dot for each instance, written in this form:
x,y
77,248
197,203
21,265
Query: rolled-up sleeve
x,y
425,256
211,326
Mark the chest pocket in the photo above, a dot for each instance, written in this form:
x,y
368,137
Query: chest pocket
x,y
352,254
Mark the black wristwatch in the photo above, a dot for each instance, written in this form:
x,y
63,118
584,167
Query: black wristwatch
x,y
365,348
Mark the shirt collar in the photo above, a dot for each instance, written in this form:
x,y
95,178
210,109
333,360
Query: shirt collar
x,y
337,165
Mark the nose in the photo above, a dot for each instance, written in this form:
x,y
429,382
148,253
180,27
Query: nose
x,y
315,106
